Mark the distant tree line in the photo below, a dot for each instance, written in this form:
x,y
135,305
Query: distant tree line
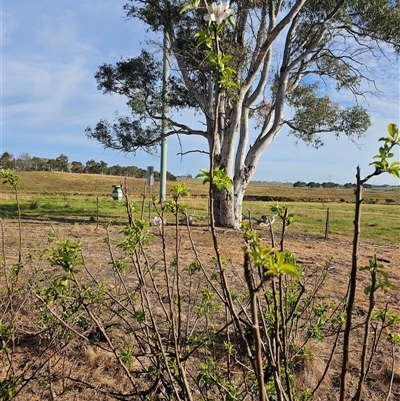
x,y
312,184
24,162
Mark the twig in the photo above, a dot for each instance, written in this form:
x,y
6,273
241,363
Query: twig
x,y
393,371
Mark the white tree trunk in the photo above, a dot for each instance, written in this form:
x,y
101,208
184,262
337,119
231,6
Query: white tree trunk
x,y
228,208
239,190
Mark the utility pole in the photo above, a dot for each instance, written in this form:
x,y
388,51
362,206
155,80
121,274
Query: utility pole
x,y
164,125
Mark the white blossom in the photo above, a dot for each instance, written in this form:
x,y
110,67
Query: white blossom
x,y
218,12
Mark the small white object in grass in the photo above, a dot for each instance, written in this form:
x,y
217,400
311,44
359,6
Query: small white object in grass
x,y
157,221
266,220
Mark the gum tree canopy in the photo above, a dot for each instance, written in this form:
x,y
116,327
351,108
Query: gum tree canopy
x,y
285,54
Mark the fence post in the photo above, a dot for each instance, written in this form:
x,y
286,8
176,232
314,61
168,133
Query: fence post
x,y
327,224
97,212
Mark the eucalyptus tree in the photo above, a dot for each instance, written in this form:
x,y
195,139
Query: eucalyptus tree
x,y
7,161
39,164
62,163
23,162
77,167
284,56
93,167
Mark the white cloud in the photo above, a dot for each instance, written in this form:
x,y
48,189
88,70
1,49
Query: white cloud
x,y
8,23
48,78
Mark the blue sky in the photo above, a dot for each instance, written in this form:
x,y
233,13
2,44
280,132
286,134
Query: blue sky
x,y
50,52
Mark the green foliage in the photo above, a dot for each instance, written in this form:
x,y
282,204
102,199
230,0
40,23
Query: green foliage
x,y
65,254
272,261
316,114
207,305
220,179
281,212
321,317
6,332
381,278
8,388
179,190
193,267
393,338
210,37
136,236
203,37
65,290
139,316
140,79
127,354
209,375
219,62
314,331
10,178
386,317
385,152
189,4
121,265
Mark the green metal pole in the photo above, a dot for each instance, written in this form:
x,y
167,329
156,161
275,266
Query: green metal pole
x,y
164,127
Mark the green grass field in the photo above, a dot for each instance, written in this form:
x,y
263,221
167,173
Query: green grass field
x,y
74,197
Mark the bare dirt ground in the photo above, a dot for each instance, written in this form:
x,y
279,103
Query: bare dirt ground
x,y
311,252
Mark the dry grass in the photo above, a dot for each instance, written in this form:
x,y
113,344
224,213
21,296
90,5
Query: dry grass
x,y
57,183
